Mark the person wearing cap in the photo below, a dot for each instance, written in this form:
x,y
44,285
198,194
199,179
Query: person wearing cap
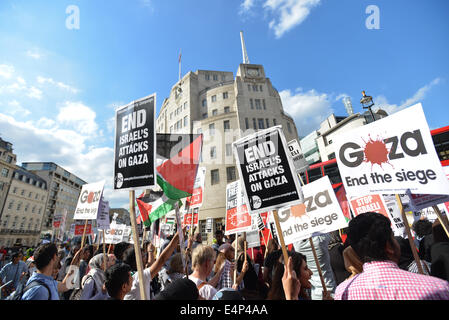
x,y
180,289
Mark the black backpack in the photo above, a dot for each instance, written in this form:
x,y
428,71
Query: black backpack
x,y
76,293
17,295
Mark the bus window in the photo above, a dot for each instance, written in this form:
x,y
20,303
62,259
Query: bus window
x,y
314,174
332,172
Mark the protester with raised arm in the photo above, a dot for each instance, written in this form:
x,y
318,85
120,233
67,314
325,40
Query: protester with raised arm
x,y
148,273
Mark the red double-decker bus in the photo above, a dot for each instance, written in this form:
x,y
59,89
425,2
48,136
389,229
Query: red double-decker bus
x,y
440,139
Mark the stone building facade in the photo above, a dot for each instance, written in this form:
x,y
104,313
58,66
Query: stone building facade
x,y
24,210
223,108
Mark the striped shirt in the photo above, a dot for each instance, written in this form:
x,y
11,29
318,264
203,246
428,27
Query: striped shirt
x,y
384,280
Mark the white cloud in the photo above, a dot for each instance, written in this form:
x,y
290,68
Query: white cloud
x,y
34,93
382,102
6,71
14,107
34,54
43,140
285,14
78,116
308,109
61,85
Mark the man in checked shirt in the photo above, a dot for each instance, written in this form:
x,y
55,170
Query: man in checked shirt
x,y
227,276
371,237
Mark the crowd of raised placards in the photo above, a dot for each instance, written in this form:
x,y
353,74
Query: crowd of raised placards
x,y
364,261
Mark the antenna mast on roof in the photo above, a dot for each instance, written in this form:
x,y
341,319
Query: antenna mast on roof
x,y
245,55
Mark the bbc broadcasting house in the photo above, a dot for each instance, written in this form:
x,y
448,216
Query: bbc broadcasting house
x,y
223,108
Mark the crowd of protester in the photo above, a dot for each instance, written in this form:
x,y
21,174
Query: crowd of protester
x,y
362,262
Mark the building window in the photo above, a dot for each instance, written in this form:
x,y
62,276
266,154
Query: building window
x,y
274,122
214,98
249,87
9,159
225,95
204,115
207,76
289,127
268,122
261,123
29,196
215,76
10,205
214,112
246,123
226,125
213,152
257,101
251,103
185,105
227,109
26,207
19,205
214,177
264,106
260,88
2,184
212,129
230,173
14,190
22,192
203,103
254,124
255,87
185,121
5,172
229,149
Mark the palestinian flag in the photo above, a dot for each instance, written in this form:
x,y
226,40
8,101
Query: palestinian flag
x,y
154,206
177,160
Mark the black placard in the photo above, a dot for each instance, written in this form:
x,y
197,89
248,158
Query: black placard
x,y
135,145
267,173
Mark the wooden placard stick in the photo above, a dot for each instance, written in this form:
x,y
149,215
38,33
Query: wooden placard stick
x,y
137,250
281,237
441,218
104,251
409,234
244,247
315,256
84,235
235,256
320,273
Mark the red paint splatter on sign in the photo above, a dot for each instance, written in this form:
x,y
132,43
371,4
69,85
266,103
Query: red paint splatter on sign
x,y
376,152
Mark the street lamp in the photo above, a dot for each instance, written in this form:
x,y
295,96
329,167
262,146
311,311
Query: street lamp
x,y
367,103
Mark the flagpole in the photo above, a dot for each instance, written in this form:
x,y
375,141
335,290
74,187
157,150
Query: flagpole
x,y
104,251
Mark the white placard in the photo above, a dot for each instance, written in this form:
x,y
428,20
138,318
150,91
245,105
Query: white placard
x,y
391,155
89,201
320,213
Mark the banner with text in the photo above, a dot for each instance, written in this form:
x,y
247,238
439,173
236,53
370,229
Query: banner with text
x,y
196,199
103,220
320,213
238,218
391,155
299,161
371,203
135,145
267,172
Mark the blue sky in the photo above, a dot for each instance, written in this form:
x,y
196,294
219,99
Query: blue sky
x,y
59,87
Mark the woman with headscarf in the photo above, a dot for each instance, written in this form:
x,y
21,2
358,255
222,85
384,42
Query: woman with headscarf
x,y
93,281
